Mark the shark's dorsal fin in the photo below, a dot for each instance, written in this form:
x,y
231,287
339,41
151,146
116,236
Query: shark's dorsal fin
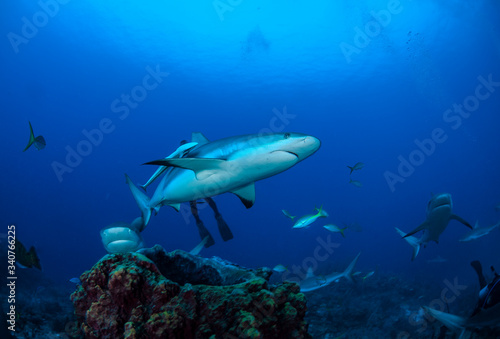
x,y
246,194
309,273
202,167
422,227
457,218
199,138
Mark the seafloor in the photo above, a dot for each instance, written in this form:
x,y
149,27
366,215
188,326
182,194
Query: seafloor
x,y
383,306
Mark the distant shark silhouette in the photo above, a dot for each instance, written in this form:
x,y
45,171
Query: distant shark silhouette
x,y
439,214
479,232
313,282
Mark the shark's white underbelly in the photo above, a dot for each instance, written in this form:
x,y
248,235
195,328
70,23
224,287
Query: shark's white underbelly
x,y
185,187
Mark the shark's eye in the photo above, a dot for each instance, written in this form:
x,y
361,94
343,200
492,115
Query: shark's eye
x,y
287,135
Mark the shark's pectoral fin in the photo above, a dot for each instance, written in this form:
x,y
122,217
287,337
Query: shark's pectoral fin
x,y
422,227
177,207
202,167
460,219
246,194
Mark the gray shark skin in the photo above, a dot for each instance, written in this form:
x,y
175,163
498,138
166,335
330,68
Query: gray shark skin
x,y
312,282
439,214
227,165
478,232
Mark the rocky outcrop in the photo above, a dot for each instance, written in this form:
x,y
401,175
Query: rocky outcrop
x,y
155,294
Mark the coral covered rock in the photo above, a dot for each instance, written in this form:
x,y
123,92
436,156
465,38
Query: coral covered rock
x,y
154,294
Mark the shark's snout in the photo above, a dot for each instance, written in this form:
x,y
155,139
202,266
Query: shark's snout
x,y
307,146
441,200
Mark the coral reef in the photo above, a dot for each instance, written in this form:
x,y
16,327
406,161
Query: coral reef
x,y
154,294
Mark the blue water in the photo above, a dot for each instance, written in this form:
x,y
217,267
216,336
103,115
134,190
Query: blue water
x,y
233,70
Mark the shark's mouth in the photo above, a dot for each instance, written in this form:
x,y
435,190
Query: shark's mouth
x,y
292,153
444,203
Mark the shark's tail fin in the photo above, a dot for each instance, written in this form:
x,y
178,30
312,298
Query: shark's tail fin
x,y
348,271
32,138
142,201
413,241
453,322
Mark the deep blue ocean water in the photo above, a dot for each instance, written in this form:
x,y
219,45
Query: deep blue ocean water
x,y
372,80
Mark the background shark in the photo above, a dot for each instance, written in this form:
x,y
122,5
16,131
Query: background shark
x,y
478,232
313,282
439,214
227,165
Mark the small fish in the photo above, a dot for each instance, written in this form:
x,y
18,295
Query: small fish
x,y
287,214
356,183
39,141
75,281
368,275
280,268
357,166
334,228
308,219
25,258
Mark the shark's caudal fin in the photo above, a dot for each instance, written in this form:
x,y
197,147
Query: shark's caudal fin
x,y
32,138
348,271
462,220
453,322
141,199
413,241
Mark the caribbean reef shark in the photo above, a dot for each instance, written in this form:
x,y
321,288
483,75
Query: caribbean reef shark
x,y
313,282
479,232
231,164
439,214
